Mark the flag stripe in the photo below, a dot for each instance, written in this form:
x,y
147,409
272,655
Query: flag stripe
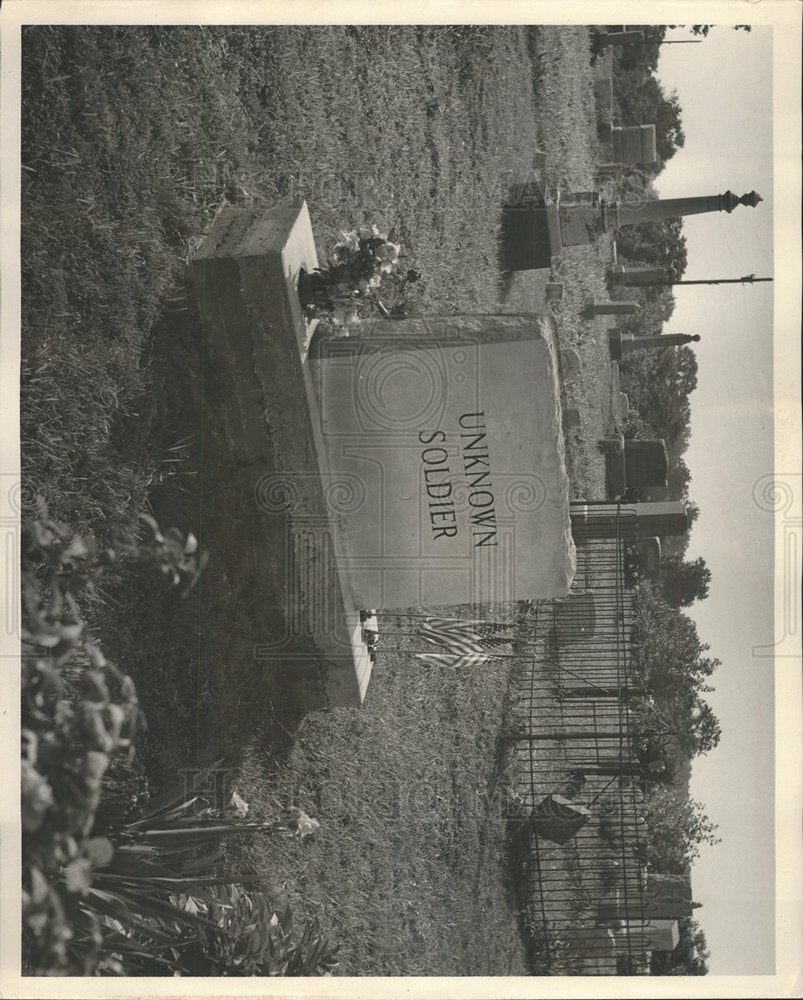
x,y
464,640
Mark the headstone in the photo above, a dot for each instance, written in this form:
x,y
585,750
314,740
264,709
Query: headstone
x,y
446,434
665,897
649,556
599,307
558,819
530,236
633,464
634,276
668,896
646,464
661,518
634,144
571,418
647,935
575,618
609,171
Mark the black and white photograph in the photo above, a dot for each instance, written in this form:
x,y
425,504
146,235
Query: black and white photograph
x,y
401,499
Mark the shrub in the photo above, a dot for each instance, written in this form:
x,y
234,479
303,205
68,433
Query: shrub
x,y
147,899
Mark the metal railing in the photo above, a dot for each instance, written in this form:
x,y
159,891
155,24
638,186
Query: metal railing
x,y
578,758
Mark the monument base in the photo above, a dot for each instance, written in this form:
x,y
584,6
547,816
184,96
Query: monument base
x,y
246,276
581,221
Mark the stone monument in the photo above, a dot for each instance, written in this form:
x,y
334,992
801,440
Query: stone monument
x,y
420,463
635,276
621,344
591,521
535,231
633,144
451,426
634,464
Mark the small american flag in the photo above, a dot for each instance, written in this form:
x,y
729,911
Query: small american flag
x,y
465,643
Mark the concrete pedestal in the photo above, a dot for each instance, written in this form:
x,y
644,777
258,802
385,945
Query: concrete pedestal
x,y
246,275
662,518
600,307
635,276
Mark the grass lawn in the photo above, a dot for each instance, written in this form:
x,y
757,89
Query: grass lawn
x,y
408,870
131,140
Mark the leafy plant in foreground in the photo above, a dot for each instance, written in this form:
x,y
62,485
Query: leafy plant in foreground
x,y
149,898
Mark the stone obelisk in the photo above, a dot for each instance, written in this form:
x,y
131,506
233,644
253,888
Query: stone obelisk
x,y
618,214
621,344
535,230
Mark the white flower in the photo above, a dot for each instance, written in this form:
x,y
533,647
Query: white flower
x,y
367,231
346,315
350,241
37,797
388,252
237,805
306,826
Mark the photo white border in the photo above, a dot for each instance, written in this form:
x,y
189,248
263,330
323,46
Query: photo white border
x,y
785,17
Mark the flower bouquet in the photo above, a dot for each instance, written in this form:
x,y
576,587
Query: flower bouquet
x,y
348,287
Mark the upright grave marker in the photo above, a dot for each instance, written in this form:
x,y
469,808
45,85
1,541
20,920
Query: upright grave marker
x,y
452,428
419,464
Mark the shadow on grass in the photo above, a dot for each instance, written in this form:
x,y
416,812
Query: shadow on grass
x,y
206,687
524,875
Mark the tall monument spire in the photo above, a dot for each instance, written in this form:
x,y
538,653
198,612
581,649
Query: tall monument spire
x,y
535,229
621,344
671,208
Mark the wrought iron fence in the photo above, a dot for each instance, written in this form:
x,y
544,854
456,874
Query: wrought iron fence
x,y
580,752
582,743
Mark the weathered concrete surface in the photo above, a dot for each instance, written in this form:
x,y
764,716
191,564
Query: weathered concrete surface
x,y
254,330
445,434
